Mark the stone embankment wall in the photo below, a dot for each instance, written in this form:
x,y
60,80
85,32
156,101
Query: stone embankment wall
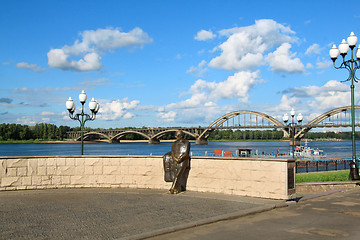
x,y
265,178
319,187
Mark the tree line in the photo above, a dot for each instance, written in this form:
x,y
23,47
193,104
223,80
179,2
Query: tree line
x,y
41,131
246,135
45,131
274,135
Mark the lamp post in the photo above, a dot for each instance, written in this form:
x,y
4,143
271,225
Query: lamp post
x,y
351,65
82,117
292,126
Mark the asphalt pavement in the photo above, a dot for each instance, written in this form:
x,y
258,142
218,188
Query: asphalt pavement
x,y
332,215
114,213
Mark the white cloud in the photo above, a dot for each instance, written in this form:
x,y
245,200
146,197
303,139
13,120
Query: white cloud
x,y
204,35
167,117
282,60
286,104
313,49
309,65
312,100
245,46
117,109
318,99
31,120
58,59
202,106
324,64
48,114
208,93
128,115
25,65
331,95
199,70
92,44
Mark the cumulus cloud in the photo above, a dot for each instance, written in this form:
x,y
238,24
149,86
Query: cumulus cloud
x,y
48,113
117,109
282,60
245,46
323,64
309,65
331,95
92,45
286,104
313,49
319,99
25,65
27,120
199,70
128,115
32,120
167,116
207,93
204,35
57,58
312,100
202,105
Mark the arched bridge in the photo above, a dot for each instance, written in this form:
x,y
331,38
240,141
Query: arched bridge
x,y
339,117
151,134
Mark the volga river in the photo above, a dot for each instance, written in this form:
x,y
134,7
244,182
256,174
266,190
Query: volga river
x,y
332,149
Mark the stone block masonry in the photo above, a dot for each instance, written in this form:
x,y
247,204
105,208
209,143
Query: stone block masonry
x,y
255,177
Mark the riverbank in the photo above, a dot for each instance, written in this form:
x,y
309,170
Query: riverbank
x,y
73,141
170,140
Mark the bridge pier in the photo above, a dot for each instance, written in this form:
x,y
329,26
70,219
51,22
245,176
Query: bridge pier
x,y
154,141
114,140
201,141
297,142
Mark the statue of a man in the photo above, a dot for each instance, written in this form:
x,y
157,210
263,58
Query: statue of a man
x,y
177,164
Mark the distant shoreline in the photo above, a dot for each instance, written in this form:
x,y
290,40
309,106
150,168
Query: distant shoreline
x,y
72,141
171,140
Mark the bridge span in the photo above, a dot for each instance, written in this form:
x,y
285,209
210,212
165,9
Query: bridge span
x,y
243,119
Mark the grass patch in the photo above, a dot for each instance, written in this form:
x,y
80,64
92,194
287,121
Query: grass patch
x,y
323,176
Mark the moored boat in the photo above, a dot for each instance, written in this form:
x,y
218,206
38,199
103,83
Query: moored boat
x,y
306,152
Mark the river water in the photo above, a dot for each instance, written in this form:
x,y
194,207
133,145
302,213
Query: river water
x,y
332,149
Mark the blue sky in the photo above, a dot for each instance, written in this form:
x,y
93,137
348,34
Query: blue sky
x,y
171,63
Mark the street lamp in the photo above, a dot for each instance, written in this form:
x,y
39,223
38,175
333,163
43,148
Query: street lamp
x,y
351,65
82,117
292,126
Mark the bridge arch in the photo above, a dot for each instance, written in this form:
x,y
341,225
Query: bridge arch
x,y
313,123
218,122
160,134
119,135
88,134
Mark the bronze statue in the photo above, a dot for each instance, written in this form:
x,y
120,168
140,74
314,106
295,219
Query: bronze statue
x,y
177,163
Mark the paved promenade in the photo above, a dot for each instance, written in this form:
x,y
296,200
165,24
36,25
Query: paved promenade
x,y
101,213
140,213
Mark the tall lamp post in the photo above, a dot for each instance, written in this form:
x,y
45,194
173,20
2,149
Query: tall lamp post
x,y
292,126
351,65
82,117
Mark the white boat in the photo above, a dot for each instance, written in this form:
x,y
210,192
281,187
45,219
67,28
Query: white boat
x,y
307,152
